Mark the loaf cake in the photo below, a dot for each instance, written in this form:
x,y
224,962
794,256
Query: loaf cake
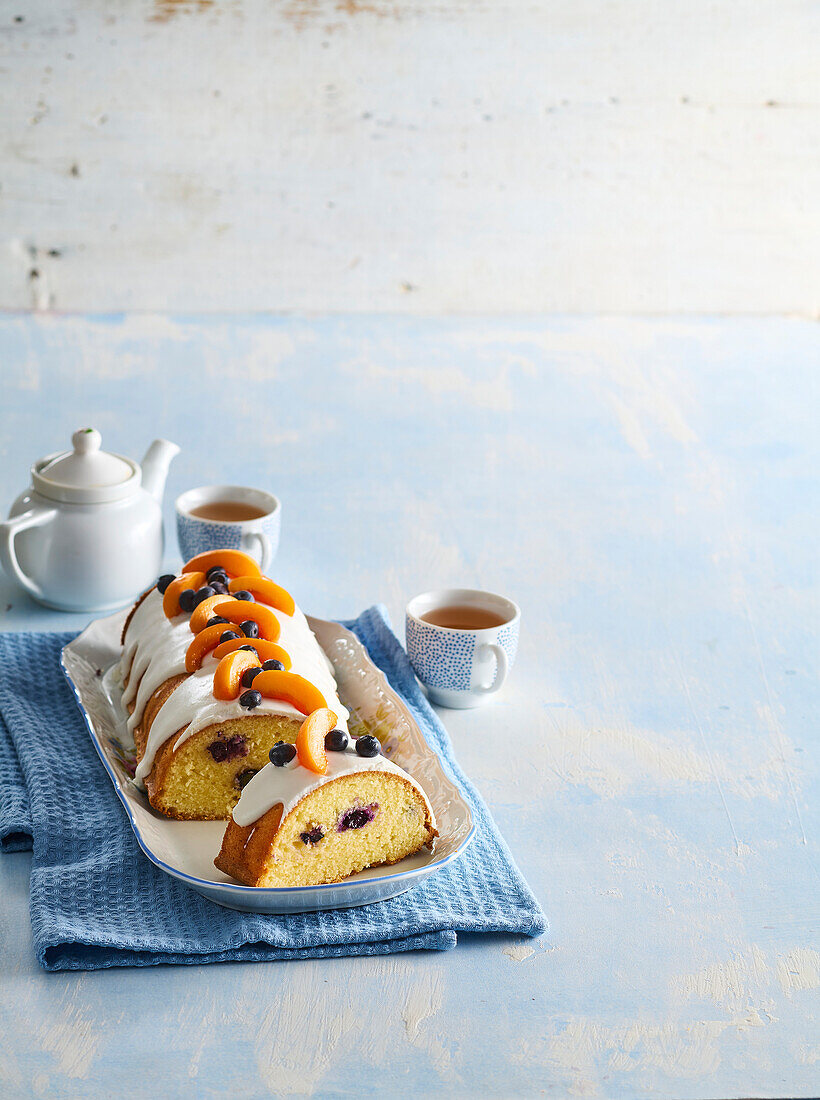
x,y
218,665
323,809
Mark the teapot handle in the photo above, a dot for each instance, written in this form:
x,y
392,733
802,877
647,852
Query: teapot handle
x,y
36,516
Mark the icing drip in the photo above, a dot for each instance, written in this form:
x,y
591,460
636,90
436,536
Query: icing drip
x,y
291,783
152,642
155,663
136,629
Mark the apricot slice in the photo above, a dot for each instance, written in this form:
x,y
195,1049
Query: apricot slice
x,y
206,610
268,651
234,562
229,672
265,590
293,689
204,642
237,611
170,601
310,740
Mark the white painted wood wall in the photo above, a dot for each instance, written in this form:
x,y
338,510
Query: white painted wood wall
x,y
410,155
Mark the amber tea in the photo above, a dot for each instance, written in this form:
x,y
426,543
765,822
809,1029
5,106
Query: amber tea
x,y
463,618
228,511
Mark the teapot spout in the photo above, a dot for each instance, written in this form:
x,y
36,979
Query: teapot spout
x,y
155,467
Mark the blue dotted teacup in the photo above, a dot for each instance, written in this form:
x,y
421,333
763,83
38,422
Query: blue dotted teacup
x,y
461,643
229,517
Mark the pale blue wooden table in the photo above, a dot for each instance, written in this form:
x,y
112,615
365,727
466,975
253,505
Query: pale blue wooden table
x,y
647,492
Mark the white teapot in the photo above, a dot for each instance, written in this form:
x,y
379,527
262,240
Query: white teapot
x,y
87,534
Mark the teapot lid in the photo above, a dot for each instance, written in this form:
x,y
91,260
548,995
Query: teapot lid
x,y
86,475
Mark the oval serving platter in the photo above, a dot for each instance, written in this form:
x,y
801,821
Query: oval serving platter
x,y
186,849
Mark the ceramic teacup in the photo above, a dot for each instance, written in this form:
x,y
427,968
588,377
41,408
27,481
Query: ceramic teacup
x,y
462,666
222,527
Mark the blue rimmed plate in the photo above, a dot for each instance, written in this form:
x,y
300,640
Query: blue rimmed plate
x,y
186,849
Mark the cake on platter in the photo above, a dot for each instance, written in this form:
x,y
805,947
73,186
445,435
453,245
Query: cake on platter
x,y
218,665
323,809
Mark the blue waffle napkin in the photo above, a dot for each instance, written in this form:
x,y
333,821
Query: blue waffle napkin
x,y
96,901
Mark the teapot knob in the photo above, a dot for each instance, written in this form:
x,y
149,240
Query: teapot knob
x,y
86,441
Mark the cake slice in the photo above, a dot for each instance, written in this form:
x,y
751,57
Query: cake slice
x,y
322,810
218,665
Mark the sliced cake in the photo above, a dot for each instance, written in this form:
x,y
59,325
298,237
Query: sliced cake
x,y
323,809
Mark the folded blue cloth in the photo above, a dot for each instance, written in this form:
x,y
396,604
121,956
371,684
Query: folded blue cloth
x,y
96,901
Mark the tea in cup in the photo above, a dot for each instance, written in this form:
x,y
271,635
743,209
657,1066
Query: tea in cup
x,y
461,643
217,517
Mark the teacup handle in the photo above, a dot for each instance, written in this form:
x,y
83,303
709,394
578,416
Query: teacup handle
x,y
503,667
265,548
36,516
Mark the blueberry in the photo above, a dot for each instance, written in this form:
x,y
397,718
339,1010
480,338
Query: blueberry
x,y
273,666
219,588
356,817
250,699
248,676
313,835
368,746
236,746
217,620
336,741
203,594
244,594
216,570
249,648
186,600
249,628
163,582
243,778
227,636
218,750
282,754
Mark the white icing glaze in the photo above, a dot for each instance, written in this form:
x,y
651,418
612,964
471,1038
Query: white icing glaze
x,y
155,651
160,646
291,783
144,614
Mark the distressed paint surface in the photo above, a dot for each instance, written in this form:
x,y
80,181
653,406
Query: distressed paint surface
x,y
647,492
412,156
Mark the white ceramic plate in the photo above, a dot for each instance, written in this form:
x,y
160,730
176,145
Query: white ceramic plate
x,y
186,849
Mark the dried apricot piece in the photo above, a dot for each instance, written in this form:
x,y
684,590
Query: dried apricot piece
x,y
233,562
310,740
268,651
206,610
264,589
239,611
229,672
170,600
291,688
205,642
